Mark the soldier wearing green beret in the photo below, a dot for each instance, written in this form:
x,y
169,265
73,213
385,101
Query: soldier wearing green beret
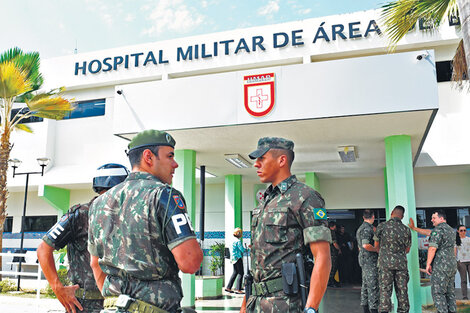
x,y
287,221
140,234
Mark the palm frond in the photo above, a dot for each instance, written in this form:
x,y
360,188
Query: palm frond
x,y
460,68
13,81
400,16
50,105
24,127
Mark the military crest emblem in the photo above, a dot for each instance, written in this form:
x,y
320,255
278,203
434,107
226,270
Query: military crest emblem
x,y
179,202
259,94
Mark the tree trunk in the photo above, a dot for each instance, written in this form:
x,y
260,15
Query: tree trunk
x,y
464,13
5,149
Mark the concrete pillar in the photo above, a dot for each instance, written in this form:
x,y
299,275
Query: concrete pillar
x,y
400,191
312,180
58,198
185,181
233,215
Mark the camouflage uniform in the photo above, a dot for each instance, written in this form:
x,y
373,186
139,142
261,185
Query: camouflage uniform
x,y
334,253
394,238
444,267
73,232
282,226
134,227
368,263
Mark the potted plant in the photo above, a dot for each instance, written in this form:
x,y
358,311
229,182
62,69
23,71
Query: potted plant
x,y
210,287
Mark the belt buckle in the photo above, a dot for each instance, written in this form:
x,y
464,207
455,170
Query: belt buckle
x,y
124,301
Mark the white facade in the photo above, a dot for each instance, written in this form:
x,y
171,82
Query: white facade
x,y
328,94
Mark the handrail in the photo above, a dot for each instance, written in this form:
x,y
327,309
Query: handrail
x,y
16,273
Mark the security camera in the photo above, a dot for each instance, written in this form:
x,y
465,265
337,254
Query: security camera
x,y
422,56
119,92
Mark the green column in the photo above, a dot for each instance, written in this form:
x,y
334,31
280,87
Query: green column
x,y
57,197
185,181
233,202
400,191
311,180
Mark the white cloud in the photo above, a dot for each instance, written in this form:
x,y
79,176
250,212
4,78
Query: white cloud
x,y
204,4
107,19
269,9
172,15
129,17
305,11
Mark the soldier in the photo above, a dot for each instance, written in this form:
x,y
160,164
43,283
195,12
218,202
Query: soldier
x,y
441,263
368,262
286,223
393,242
140,235
335,251
72,231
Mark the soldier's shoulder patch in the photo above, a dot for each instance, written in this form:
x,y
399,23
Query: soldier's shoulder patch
x,y
433,233
319,213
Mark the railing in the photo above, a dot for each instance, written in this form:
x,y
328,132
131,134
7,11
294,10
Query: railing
x,y
30,274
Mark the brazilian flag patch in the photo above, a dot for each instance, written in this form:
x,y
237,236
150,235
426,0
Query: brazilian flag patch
x,y
320,214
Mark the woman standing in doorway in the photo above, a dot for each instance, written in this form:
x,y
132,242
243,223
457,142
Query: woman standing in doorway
x,y
237,261
463,258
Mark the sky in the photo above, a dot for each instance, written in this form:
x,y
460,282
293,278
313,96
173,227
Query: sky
x,y
58,27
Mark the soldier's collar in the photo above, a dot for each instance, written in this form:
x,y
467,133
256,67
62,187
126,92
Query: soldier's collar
x,y
142,175
282,186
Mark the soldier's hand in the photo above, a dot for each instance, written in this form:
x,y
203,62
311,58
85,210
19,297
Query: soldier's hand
x,y
411,224
66,296
428,269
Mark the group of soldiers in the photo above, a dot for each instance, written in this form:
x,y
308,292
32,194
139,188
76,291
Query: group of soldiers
x,y
382,257
127,246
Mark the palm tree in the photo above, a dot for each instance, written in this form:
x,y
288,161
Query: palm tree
x,y
20,81
400,16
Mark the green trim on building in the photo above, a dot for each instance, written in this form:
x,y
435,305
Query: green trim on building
x,y
400,190
185,181
233,193
387,208
58,198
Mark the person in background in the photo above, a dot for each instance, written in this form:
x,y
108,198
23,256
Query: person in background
x,y
463,258
237,261
335,251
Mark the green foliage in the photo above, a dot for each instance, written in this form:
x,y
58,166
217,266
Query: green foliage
x,y
217,262
7,285
62,273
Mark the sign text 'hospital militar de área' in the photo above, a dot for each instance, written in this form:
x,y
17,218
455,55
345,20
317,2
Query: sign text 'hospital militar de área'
x,y
227,47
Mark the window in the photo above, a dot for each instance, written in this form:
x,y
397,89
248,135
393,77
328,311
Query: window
x,y
31,119
39,223
8,226
87,109
462,214
444,71
421,218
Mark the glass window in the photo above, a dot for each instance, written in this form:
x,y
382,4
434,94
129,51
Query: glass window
x,y
31,119
461,214
8,225
421,218
87,109
444,71
39,223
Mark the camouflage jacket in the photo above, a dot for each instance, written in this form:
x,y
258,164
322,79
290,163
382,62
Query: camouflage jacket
x,y
283,224
333,251
443,239
72,231
394,238
134,227
365,235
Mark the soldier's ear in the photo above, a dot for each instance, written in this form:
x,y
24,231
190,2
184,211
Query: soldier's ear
x,y
147,157
282,160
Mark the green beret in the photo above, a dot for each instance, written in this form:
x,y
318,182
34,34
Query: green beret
x,y
151,137
267,143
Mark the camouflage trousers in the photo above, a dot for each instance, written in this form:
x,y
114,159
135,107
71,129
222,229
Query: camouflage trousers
x,y
276,302
370,286
91,306
389,279
443,291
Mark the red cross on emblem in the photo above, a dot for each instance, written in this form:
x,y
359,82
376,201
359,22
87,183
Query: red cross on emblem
x,y
259,94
